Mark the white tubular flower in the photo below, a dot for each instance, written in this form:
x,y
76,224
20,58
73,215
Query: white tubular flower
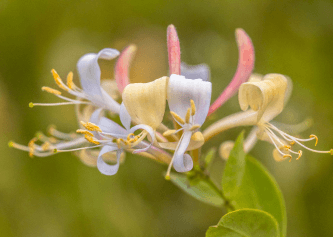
x,y
267,98
201,71
189,102
90,76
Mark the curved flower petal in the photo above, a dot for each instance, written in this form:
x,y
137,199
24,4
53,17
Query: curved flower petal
x,y
173,50
125,118
109,126
243,72
150,132
105,168
266,96
183,162
145,102
122,67
201,71
95,116
180,93
89,71
197,141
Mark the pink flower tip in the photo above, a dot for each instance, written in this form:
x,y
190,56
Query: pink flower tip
x,y
173,50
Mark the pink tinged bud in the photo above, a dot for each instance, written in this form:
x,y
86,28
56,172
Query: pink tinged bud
x,y
173,50
243,72
123,65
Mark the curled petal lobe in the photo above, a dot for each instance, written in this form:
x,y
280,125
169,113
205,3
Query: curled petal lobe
x,y
150,132
201,71
105,168
90,72
173,50
123,65
266,96
180,93
243,72
125,118
183,162
145,102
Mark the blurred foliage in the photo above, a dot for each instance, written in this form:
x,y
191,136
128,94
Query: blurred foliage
x,y
59,196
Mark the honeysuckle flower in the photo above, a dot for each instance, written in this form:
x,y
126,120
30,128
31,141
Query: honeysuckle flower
x,y
189,102
90,78
266,99
244,69
201,71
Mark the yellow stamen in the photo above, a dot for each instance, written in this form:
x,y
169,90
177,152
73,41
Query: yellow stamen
x,y
312,135
70,82
58,80
46,146
82,131
299,154
169,133
194,127
287,155
188,115
31,104
91,139
50,90
167,177
130,135
193,108
31,146
91,126
331,152
177,117
11,144
287,147
292,143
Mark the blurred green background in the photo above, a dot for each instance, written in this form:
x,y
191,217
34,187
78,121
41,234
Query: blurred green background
x,y
59,196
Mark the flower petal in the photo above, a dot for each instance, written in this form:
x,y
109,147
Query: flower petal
x,y
95,116
173,50
145,102
197,141
183,162
90,72
109,126
201,71
266,96
105,168
150,132
180,93
123,65
243,72
125,118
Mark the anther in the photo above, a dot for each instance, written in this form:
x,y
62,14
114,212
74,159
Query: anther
x,y
193,109
91,126
85,132
169,132
287,147
312,135
10,143
31,146
58,79
292,143
167,177
188,115
70,82
46,146
50,90
299,154
177,117
331,152
31,104
130,135
287,155
194,127
91,139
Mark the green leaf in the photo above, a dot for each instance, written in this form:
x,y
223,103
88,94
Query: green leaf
x,y
247,184
203,190
234,170
245,223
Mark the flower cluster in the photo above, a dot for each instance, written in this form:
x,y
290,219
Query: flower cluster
x,y
101,141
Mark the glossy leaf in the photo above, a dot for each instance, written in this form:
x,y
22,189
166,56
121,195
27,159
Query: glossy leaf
x,y
234,170
247,184
202,190
245,223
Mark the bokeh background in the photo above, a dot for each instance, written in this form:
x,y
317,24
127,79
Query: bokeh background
x,y
59,196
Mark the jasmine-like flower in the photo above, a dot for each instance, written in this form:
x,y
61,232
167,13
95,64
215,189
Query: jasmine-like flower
x,y
189,102
266,100
90,76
